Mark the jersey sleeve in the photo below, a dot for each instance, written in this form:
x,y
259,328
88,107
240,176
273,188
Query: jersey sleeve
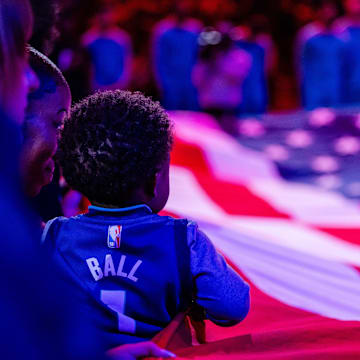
x,y
222,293
46,231
50,231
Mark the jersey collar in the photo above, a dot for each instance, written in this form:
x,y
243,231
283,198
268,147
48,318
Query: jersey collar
x,y
142,208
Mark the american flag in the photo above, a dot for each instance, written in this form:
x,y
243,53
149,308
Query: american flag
x,y
296,242
320,147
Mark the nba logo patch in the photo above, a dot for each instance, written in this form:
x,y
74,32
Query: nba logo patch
x,y
114,236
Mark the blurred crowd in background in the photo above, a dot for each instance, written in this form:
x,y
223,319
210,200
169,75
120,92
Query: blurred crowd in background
x,y
239,57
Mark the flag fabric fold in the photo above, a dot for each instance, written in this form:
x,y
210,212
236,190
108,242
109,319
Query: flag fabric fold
x,y
296,244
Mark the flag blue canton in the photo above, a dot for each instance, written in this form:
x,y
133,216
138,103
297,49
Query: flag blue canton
x,y
320,147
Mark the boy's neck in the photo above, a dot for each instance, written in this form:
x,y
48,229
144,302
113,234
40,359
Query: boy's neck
x,y
133,198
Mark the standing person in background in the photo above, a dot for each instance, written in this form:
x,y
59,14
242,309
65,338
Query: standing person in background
x,y
175,51
319,56
348,27
110,52
219,75
256,41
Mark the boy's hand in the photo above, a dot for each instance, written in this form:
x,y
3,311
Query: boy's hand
x,y
139,350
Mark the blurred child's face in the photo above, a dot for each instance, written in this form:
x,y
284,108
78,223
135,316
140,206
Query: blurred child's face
x,y
43,119
162,188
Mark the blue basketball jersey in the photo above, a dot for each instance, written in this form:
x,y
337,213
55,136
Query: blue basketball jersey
x,y
254,89
108,57
176,53
133,266
352,66
322,59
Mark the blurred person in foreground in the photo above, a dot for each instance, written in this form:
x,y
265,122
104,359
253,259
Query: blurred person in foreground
x,y
219,75
36,318
174,53
33,319
319,59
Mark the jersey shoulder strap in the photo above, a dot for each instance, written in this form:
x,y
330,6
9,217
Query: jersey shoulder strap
x,y
183,260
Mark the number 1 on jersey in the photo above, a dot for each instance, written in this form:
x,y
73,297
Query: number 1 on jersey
x,y
115,300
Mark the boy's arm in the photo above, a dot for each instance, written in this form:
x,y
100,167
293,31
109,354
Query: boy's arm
x,y
218,288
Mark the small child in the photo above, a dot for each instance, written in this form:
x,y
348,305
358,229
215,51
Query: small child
x,y
137,268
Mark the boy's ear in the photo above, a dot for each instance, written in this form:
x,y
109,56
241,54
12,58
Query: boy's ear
x,y
150,186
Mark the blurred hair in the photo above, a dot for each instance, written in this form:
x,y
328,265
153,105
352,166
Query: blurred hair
x,y
15,29
113,143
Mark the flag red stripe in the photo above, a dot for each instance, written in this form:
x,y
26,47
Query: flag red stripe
x,y
235,199
351,235
274,330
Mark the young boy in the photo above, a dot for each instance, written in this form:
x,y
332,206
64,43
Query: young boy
x,y
138,268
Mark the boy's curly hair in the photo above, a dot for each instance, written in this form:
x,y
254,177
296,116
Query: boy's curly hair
x,y
113,142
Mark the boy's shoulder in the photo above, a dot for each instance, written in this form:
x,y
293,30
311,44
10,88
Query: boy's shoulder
x,y
61,220
191,226
54,224
171,219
